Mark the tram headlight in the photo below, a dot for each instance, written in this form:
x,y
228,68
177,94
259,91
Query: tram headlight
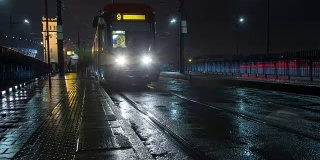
x,y
121,60
146,60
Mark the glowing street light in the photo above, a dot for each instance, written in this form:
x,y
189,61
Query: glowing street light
x,y
239,23
241,20
15,23
26,21
173,20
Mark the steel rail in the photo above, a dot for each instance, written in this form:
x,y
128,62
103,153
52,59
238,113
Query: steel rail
x,y
248,117
188,148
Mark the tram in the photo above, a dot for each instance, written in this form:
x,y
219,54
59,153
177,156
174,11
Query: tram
x,y
124,47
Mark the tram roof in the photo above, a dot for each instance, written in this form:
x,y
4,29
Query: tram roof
x,y
127,8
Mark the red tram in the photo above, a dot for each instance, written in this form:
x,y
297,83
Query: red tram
x,y
124,44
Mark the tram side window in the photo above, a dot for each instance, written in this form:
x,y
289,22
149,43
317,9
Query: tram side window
x,y
119,39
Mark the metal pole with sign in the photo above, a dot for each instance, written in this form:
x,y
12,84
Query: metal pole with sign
x,y
183,30
60,38
47,39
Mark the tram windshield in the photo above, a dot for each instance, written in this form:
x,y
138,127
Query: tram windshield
x,y
134,38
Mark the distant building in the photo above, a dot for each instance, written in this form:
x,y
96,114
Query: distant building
x,y
52,39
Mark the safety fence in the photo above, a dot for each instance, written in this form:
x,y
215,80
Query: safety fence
x,y
17,68
298,64
24,45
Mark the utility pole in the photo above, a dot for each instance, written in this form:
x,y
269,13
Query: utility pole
x,y
79,45
268,26
11,25
237,35
183,30
48,44
60,39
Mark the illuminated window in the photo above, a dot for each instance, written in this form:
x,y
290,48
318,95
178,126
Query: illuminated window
x,y
119,39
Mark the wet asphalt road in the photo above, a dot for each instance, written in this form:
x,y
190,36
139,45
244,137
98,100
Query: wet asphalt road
x,y
291,129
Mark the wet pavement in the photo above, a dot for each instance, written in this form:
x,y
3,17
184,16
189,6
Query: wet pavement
x,y
158,144
22,113
72,120
221,134
77,119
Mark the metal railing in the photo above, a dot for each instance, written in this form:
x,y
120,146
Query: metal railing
x,y
17,68
298,64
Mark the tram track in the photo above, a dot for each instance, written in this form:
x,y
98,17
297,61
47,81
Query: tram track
x,y
183,144
282,105
246,116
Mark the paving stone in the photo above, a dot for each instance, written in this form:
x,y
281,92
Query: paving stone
x,y
94,118
94,143
126,154
114,124
122,141
2,150
95,133
96,124
111,118
117,131
8,156
94,114
11,150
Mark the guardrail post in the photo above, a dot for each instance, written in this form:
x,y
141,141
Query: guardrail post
x,y
311,69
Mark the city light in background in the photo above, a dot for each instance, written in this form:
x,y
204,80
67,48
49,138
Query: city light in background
x,y
241,20
173,20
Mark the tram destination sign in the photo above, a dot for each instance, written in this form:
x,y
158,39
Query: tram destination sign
x,y
130,17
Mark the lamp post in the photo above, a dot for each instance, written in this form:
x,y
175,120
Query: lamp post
x,y
268,27
240,21
60,38
48,44
15,23
183,30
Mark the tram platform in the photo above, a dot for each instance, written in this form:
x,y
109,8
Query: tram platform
x,y
74,119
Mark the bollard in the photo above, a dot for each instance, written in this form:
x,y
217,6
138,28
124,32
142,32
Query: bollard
x,y
7,91
13,88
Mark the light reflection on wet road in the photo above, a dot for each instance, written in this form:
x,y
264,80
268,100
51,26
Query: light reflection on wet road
x,y
22,112
223,135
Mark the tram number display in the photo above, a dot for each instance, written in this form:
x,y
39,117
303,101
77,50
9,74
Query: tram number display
x,y
130,17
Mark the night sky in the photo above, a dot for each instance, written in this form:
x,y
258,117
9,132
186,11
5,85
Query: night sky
x,y
294,24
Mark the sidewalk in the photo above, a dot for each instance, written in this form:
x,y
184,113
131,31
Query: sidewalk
x,y
76,119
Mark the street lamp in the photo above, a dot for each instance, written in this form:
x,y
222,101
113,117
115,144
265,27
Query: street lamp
x,y
26,21
173,20
241,20
14,23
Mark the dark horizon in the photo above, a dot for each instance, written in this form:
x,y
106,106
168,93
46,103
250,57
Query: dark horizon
x,y
294,24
